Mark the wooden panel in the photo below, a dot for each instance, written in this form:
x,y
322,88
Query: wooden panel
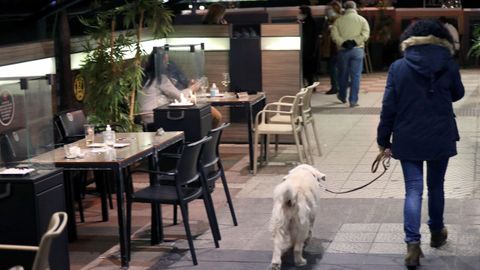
x,y
281,73
25,52
280,30
201,31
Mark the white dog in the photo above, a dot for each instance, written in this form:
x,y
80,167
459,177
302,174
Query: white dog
x,y
294,203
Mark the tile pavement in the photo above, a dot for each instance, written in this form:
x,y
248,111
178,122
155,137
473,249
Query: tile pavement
x,y
361,230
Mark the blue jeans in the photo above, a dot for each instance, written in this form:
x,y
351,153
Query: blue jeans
x,y
412,211
350,65
333,71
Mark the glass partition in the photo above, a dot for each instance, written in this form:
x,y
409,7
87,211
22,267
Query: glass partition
x,y
26,122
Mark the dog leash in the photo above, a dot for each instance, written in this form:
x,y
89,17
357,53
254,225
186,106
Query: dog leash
x,y
381,158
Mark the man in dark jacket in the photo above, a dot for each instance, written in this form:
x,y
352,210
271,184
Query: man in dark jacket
x,y
417,110
309,39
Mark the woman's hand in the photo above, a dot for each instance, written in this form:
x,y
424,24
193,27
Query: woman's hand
x,y
194,85
387,152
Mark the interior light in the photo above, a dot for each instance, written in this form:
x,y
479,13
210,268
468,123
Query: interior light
x,y
201,7
190,6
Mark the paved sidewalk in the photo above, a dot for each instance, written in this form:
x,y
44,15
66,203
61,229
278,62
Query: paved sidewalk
x,y
359,230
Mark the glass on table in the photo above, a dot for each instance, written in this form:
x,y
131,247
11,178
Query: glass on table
x,y
204,85
225,80
89,133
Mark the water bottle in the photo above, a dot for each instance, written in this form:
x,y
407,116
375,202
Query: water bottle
x,y
109,136
214,90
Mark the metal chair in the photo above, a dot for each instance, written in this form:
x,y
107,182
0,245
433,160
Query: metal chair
x,y
56,226
188,186
293,125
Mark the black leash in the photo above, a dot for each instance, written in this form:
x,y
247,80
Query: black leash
x,y
381,158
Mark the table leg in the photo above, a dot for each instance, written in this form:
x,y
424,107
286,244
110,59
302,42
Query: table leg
x,y
248,110
122,229
70,206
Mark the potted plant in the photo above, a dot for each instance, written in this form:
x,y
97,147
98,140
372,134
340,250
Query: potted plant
x,y
112,82
474,50
381,34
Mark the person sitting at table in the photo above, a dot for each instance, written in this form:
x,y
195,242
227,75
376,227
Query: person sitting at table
x,y
161,87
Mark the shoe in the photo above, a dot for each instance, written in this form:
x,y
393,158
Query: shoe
x,y
414,252
331,91
352,105
438,238
341,99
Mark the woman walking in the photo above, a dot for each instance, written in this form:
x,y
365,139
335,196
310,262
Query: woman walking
x,y
417,110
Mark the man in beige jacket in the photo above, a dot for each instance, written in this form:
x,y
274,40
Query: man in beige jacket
x,y
350,32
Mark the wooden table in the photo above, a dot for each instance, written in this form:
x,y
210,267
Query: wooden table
x,y
141,145
245,102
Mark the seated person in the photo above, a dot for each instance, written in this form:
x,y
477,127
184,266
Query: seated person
x,y
163,84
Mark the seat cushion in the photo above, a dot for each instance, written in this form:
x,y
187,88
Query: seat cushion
x,y
275,129
165,194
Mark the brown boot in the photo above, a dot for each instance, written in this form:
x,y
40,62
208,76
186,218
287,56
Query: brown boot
x,y
438,238
414,252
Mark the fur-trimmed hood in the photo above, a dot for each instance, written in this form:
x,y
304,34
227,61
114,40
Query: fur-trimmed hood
x,y
427,55
424,40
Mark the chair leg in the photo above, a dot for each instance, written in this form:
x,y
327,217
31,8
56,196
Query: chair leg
x,y
175,214
267,144
308,150
161,236
316,137
184,211
297,143
255,152
227,193
212,219
277,137
154,225
78,198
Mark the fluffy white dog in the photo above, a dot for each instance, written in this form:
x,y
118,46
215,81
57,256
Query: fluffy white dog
x,y
294,203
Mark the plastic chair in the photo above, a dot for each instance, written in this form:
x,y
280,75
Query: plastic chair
x,y
189,185
213,168
56,226
307,118
293,126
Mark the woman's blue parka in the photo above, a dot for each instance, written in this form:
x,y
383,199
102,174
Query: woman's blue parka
x,y
417,105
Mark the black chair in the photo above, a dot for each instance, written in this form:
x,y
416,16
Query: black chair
x,y
70,127
16,146
188,186
213,168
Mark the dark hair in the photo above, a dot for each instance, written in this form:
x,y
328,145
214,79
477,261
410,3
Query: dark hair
x,y
215,14
306,10
153,67
426,27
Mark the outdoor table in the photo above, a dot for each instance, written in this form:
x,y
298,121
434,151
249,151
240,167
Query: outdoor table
x,y
141,145
247,102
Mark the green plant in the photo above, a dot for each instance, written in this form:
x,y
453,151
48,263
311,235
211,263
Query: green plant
x,y
475,49
382,29
112,82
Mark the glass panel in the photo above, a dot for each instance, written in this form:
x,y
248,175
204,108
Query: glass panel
x,y
26,122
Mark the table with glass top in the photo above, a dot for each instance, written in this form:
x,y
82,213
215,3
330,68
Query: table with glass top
x,y
132,147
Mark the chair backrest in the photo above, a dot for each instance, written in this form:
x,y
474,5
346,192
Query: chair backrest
x,y
296,105
210,152
16,146
71,123
306,102
187,164
55,228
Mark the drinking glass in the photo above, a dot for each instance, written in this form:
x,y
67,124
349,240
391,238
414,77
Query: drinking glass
x,y
89,133
204,85
226,80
